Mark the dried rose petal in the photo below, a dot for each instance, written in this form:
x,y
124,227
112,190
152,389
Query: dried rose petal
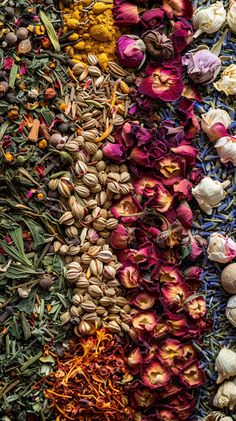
x,y
144,397
192,375
126,14
145,321
143,300
135,358
145,185
175,293
172,168
162,199
152,18
178,8
170,350
129,276
168,273
177,324
196,307
155,375
162,83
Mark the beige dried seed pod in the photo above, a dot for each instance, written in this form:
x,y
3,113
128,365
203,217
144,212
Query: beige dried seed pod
x,y
95,291
67,218
86,259
74,250
114,168
114,309
88,306
92,59
124,189
56,246
217,416
71,232
96,212
105,256
124,177
104,234
90,317
106,301
74,311
88,135
91,147
96,189
101,198
99,224
84,328
90,124
111,223
68,259
98,155
121,301
94,250
123,168
127,308
90,180
80,168
113,327
113,187
101,311
113,176
91,204
85,247
96,267
82,191
87,116
102,177
109,272
65,187
101,241
125,327
101,165
65,317
71,146
82,282
64,249
77,299
95,281
53,184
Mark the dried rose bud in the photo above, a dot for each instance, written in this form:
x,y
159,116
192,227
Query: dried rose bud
x,y
158,45
119,237
155,375
49,93
3,87
129,276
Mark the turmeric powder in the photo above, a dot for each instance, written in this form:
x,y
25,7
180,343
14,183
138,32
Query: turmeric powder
x,y
94,30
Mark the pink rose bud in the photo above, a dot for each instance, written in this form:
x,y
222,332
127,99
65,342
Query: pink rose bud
x,y
226,148
202,66
131,51
119,237
215,123
221,248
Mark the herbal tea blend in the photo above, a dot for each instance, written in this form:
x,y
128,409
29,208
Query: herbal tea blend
x,y
117,210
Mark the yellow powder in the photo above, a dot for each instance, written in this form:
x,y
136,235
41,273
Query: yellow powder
x,y
93,28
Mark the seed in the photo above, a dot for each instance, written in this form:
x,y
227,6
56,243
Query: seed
x,y
95,291
109,272
96,267
67,218
105,256
71,232
113,327
94,250
92,59
64,249
65,317
53,184
94,71
111,223
88,306
90,317
90,180
77,299
77,211
74,311
91,204
106,301
84,328
85,259
82,191
113,187
80,168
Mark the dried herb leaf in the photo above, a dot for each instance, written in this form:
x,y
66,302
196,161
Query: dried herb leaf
x,y
50,30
